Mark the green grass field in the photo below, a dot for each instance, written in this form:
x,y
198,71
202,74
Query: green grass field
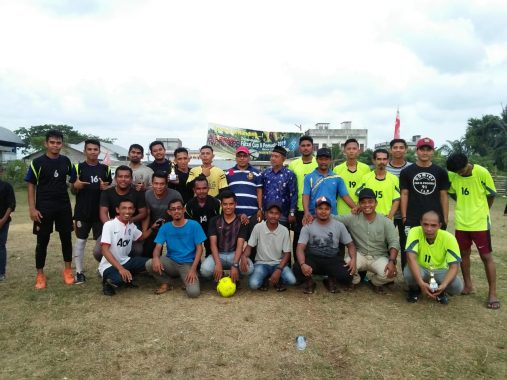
x,y
74,332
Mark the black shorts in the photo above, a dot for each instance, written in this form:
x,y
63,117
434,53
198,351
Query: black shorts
x,y
83,229
61,218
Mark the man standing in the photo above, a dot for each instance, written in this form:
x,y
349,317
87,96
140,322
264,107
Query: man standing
x,y
322,182
432,253
116,266
398,149
227,236
202,207
319,253
352,172
375,239
157,198
273,252
301,167
215,176
423,187
246,182
7,206
88,179
160,162
141,174
183,239
181,171
384,184
279,186
474,191
49,203
110,200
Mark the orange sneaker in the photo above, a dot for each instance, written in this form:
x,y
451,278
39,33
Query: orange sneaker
x,y
68,277
40,281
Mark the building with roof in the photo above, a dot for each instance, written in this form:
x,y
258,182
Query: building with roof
x,y
9,142
325,136
410,143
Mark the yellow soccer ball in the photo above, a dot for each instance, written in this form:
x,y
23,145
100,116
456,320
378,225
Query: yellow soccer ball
x,y
226,288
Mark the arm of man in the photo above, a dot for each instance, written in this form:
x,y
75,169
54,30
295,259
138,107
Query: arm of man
x,y
35,214
390,268
300,252
156,265
403,204
352,264
444,202
260,214
416,273
217,274
307,218
108,255
394,208
275,276
353,207
448,278
142,213
192,273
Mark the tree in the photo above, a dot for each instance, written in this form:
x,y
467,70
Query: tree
x,y
35,136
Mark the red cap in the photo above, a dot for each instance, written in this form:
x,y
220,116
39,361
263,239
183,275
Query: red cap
x,y
425,141
243,149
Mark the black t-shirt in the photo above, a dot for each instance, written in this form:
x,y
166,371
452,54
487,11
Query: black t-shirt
x,y
424,186
202,215
111,199
183,187
7,198
227,233
160,167
88,198
50,177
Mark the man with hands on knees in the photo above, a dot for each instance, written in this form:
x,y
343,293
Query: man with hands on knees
x,y
183,239
433,260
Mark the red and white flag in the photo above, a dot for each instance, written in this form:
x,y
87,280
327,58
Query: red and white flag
x,y
107,159
397,125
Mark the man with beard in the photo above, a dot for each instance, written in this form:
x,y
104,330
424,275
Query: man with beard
x,y
141,174
182,171
384,184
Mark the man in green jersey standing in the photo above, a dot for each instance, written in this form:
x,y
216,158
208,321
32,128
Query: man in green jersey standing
x,y
473,189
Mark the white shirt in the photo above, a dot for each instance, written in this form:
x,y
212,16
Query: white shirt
x,y
119,237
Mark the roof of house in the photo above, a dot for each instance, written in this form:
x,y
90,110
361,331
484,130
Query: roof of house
x,y
9,138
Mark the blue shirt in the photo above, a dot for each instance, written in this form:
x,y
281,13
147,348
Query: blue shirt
x,y
280,187
330,186
244,183
181,241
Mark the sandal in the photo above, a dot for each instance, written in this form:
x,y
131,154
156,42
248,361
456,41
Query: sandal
x,y
162,289
309,287
493,305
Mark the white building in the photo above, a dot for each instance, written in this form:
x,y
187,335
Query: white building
x,y
9,141
326,137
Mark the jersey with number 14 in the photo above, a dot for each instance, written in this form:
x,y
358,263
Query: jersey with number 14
x,y
352,182
88,198
472,192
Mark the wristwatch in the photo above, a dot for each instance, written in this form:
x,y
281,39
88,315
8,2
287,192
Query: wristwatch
x,y
235,265
291,213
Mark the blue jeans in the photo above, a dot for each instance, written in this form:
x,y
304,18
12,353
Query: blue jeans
x,y
263,271
226,259
3,250
134,265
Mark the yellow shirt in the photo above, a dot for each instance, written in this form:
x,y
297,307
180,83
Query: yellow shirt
x,y
352,182
216,179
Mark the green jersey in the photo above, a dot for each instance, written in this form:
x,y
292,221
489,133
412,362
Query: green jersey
x,y
301,169
352,182
387,190
471,194
439,255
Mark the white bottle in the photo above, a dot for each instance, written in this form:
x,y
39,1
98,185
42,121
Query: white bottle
x,y
301,343
433,282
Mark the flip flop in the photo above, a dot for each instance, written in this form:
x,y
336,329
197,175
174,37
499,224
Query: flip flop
x,y
163,288
493,305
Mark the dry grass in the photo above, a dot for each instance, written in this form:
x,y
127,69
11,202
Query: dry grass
x,y
76,333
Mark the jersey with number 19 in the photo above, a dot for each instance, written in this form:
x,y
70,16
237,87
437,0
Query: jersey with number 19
x,y
472,192
352,182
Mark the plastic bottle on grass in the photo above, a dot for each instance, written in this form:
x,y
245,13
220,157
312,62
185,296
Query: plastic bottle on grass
x,y
301,343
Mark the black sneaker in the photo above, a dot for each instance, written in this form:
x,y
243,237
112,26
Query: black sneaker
x,y
108,289
413,296
80,278
443,299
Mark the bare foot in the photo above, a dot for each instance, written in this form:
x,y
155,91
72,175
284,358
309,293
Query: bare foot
x,y
467,291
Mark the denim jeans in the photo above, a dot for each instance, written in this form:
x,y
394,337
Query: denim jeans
x,y
226,259
3,250
134,265
454,288
263,271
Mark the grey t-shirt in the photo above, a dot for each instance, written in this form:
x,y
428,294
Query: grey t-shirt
x,y
324,239
158,207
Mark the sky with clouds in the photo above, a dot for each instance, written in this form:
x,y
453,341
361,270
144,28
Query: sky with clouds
x,y
137,70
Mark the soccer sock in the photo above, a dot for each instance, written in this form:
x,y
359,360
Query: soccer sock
x,y
79,254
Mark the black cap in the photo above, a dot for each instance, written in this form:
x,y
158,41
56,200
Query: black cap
x,y
272,204
367,193
324,152
321,200
281,150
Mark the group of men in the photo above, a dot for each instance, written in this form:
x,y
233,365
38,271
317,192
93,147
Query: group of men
x,y
208,220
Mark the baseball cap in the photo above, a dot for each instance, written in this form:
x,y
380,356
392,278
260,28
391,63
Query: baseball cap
x,y
425,141
367,193
272,204
321,200
242,149
324,152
